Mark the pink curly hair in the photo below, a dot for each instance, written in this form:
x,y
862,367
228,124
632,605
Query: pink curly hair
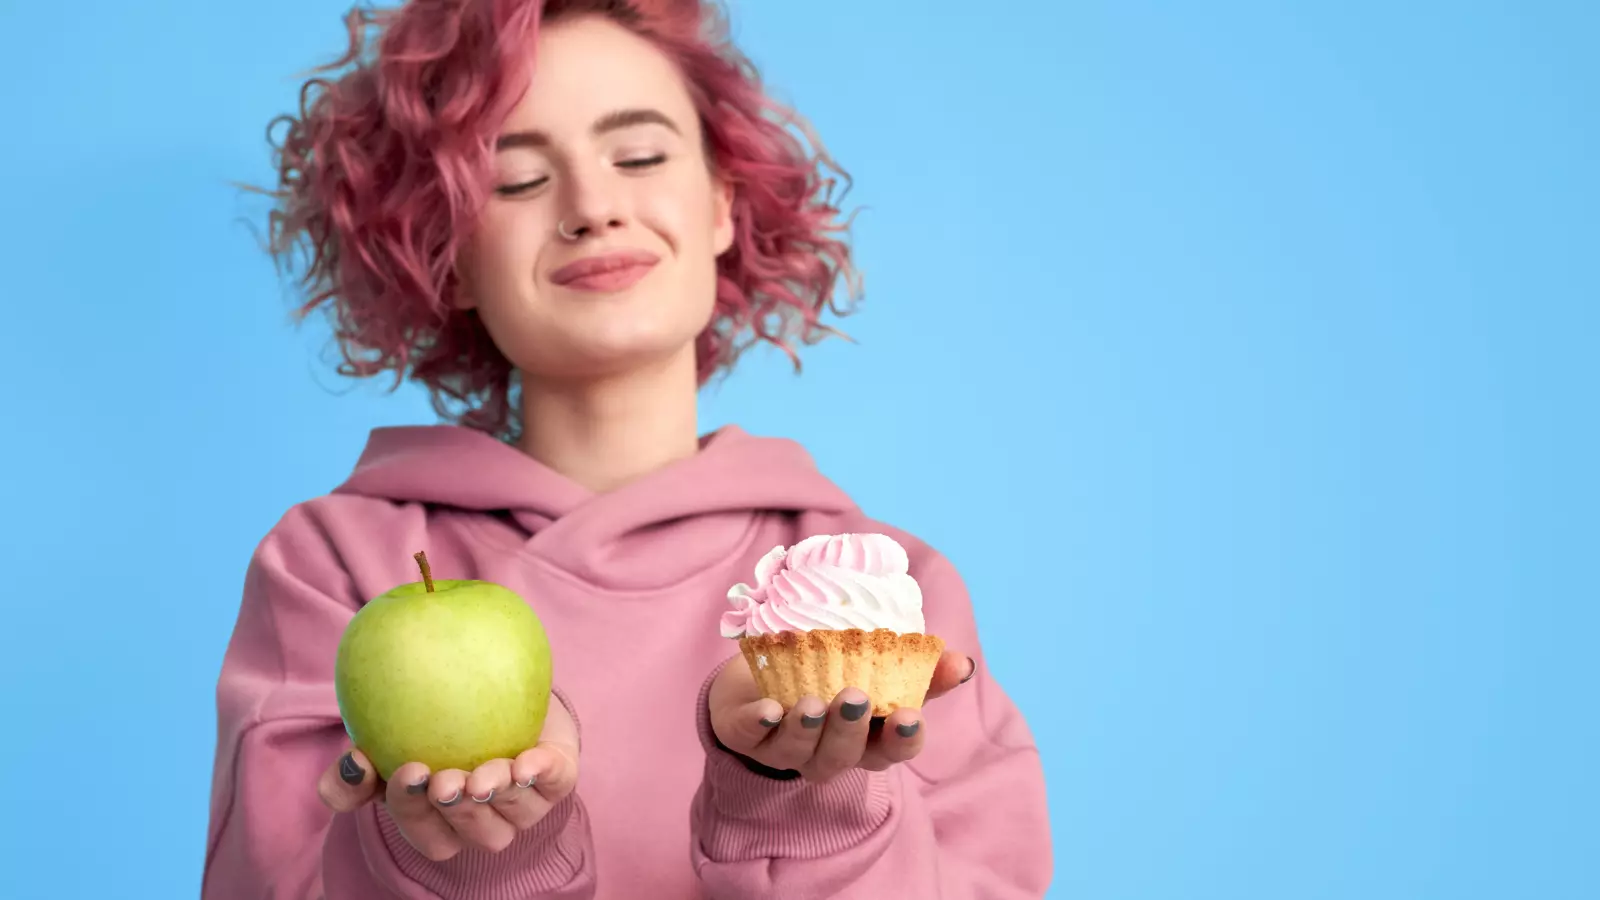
x,y
388,164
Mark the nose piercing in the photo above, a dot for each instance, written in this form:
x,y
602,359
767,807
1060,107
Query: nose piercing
x,y
561,229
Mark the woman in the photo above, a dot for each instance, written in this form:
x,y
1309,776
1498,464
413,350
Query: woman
x,y
561,218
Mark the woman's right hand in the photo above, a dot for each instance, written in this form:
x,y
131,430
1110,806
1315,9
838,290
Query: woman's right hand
x,y
441,813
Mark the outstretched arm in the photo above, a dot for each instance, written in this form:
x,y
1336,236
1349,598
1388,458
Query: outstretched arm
x,y
962,817
279,729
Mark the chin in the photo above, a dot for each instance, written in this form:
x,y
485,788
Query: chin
x,y
609,357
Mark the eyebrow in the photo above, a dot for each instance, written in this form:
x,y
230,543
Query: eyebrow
x,y
612,121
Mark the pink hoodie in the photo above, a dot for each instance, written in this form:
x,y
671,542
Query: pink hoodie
x,y
630,586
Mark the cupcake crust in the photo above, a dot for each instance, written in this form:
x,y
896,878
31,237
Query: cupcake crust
x,y
893,669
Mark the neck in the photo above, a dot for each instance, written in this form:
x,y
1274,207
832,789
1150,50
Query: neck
x,y
604,433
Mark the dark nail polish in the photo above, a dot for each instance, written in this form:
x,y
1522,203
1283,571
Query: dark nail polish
x,y
854,711
812,721
452,801
420,787
484,799
970,672
770,723
907,729
350,770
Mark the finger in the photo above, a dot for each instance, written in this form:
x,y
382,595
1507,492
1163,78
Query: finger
x,y
493,777
794,742
844,736
899,739
421,823
475,822
491,784
540,778
952,671
521,803
348,783
744,727
550,768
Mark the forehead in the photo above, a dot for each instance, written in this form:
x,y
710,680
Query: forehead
x,y
586,67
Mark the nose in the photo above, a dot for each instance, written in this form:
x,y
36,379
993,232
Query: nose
x,y
593,206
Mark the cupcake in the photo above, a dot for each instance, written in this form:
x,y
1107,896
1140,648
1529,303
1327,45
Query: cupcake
x,y
831,612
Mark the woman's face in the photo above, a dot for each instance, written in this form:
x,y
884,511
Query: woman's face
x,y
596,253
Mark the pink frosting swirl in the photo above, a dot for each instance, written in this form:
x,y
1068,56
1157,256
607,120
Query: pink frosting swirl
x,y
830,582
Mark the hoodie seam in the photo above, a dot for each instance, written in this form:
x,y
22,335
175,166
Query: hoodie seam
x,y
481,527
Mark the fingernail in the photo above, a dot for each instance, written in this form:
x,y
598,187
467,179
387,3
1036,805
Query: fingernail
x,y
812,721
350,770
770,723
486,799
528,783
971,672
907,729
420,787
854,711
453,799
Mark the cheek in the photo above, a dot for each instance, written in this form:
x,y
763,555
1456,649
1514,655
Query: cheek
x,y
684,207
503,255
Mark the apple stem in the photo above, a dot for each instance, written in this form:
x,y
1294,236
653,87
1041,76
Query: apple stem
x,y
427,573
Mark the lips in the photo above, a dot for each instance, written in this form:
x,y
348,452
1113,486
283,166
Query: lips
x,y
606,271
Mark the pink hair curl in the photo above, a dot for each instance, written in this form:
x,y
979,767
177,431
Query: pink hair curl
x,y
388,164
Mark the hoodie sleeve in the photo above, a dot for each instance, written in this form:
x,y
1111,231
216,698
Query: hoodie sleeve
x,y
965,820
279,727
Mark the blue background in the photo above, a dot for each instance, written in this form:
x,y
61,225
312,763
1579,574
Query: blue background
x,y
1241,354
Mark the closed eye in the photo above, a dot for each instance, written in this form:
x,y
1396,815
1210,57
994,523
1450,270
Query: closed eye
x,y
511,190
643,163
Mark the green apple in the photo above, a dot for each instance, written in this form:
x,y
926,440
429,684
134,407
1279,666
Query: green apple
x,y
447,673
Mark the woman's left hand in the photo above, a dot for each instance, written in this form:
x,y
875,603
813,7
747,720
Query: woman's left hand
x,y
821,739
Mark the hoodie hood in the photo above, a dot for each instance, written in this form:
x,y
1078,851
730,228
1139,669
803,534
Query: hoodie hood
x,y
654,530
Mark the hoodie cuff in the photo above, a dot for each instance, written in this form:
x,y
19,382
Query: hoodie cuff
x,y
548,860
744,812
